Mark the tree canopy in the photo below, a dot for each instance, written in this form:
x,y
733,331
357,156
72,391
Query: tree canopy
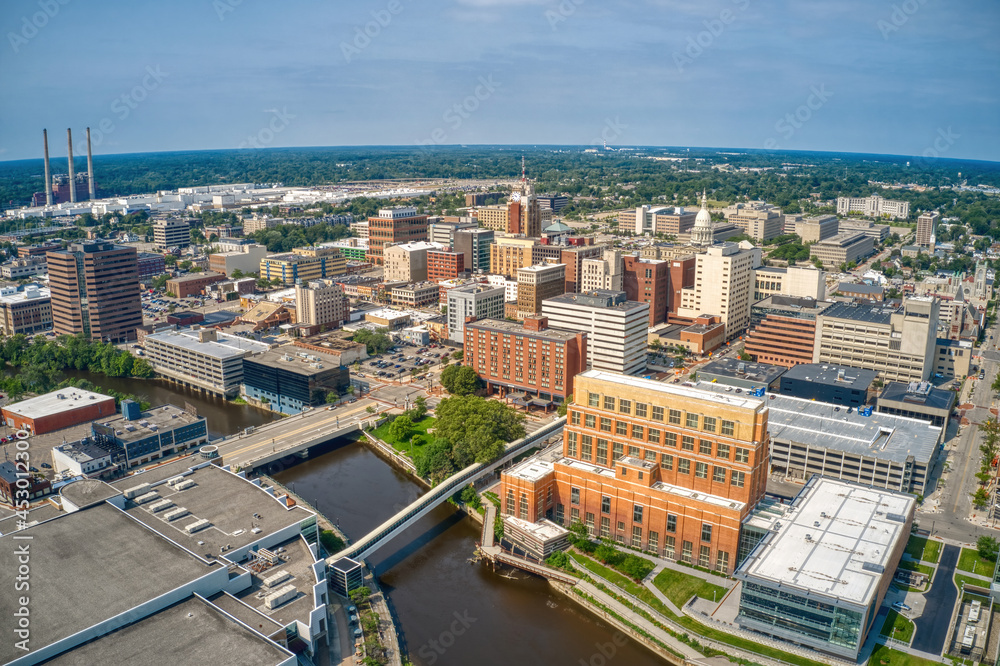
x,y
460,380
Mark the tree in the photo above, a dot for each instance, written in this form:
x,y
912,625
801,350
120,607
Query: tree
x,y
656,345
980,498
460,380
459,355
237,274
332,397
401,428
376,342
988,547
564,405
478,429
434,460
359,595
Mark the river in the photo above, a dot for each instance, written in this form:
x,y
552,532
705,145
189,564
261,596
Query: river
x,y
431,584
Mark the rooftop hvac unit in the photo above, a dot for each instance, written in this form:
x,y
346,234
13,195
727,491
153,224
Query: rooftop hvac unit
x,y
148,497
197,525
174,481
179,512
162,505
275,599
132,492
184,485
275,579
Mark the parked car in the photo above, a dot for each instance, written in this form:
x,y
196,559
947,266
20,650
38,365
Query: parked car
x,y
899,607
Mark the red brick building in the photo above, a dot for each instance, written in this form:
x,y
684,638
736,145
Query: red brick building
x,y
59,409
647,281
394,226
530,358
681,276
663,468
193,284
444,264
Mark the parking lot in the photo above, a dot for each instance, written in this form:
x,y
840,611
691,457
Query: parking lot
x,y
156,305
401,360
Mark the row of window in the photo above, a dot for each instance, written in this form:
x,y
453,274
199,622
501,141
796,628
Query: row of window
x,y
674,416
703,447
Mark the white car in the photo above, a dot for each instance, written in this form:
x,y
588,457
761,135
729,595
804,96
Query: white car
x,y
899,606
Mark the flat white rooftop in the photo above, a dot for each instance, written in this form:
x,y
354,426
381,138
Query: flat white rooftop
x,y
543,530
740,400
63,400
835,541
531,469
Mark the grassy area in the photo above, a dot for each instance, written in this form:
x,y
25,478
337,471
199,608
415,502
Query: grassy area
x,y
417,439
970,561
898,627
680,587
741,643
885,656
923,549
635,589
971,580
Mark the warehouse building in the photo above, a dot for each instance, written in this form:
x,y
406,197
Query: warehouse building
x,y
58,409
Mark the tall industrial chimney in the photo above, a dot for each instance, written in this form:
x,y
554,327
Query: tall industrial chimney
x,y
72,179
90,168
48,173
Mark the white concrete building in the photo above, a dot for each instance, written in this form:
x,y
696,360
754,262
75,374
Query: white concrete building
x,y
873,206
723,285
616,328
481,301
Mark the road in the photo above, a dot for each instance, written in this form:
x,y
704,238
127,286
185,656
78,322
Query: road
x,y
939,601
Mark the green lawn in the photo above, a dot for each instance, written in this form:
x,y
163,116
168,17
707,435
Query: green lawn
x,y
971,580
417,439
635,589
970,561
882,655
923,549
902,626
680,587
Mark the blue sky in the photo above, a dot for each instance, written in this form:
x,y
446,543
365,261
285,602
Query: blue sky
x,y
910,77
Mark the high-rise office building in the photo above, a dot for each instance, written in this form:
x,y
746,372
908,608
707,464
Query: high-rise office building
x,y
723,286
603,272
783,330
647,281
615,327
537,283
444,264
475,245
926,224
95,291
170,233
393,226
407,262
320,303
481,301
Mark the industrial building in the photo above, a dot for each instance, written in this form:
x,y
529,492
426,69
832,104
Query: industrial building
x,y
824,564
57,410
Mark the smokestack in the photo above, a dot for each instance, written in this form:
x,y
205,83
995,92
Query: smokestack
x,y
72,179
90,168
48,173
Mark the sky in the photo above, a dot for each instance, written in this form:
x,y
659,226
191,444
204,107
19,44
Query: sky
x,y
904,77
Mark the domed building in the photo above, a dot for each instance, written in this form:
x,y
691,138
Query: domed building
x,y
702,234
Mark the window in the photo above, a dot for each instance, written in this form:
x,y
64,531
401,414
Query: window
x,y
687,443
742,455
722,561
701,470
719,474
574,495
560,514
586,447
602,451
669,547
633,451
571,445
706,532
574,418
637,431
605,424
654,435
691,421
609,402
671,523
621,428
728,428
510,502
589,522
651,456
737,478
605,505
708,423
589,420
657,413
654,541
722,450
617,450
625,406
686,551
636,536
637,513
621,526
624,471
605,527
683,466
675,416
574,516
523,508
705,447
670,439
594,400
640,409
640,476
705,556
666,462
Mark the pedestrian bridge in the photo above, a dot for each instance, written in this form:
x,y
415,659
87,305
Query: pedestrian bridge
x,y
385,532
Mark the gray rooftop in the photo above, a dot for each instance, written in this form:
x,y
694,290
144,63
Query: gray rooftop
x,y
864,312
89,566
856,288
829,374
226,346
599,298
192,631
796,304
915,393
504,326
85,492
157,419
836,540
764,373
